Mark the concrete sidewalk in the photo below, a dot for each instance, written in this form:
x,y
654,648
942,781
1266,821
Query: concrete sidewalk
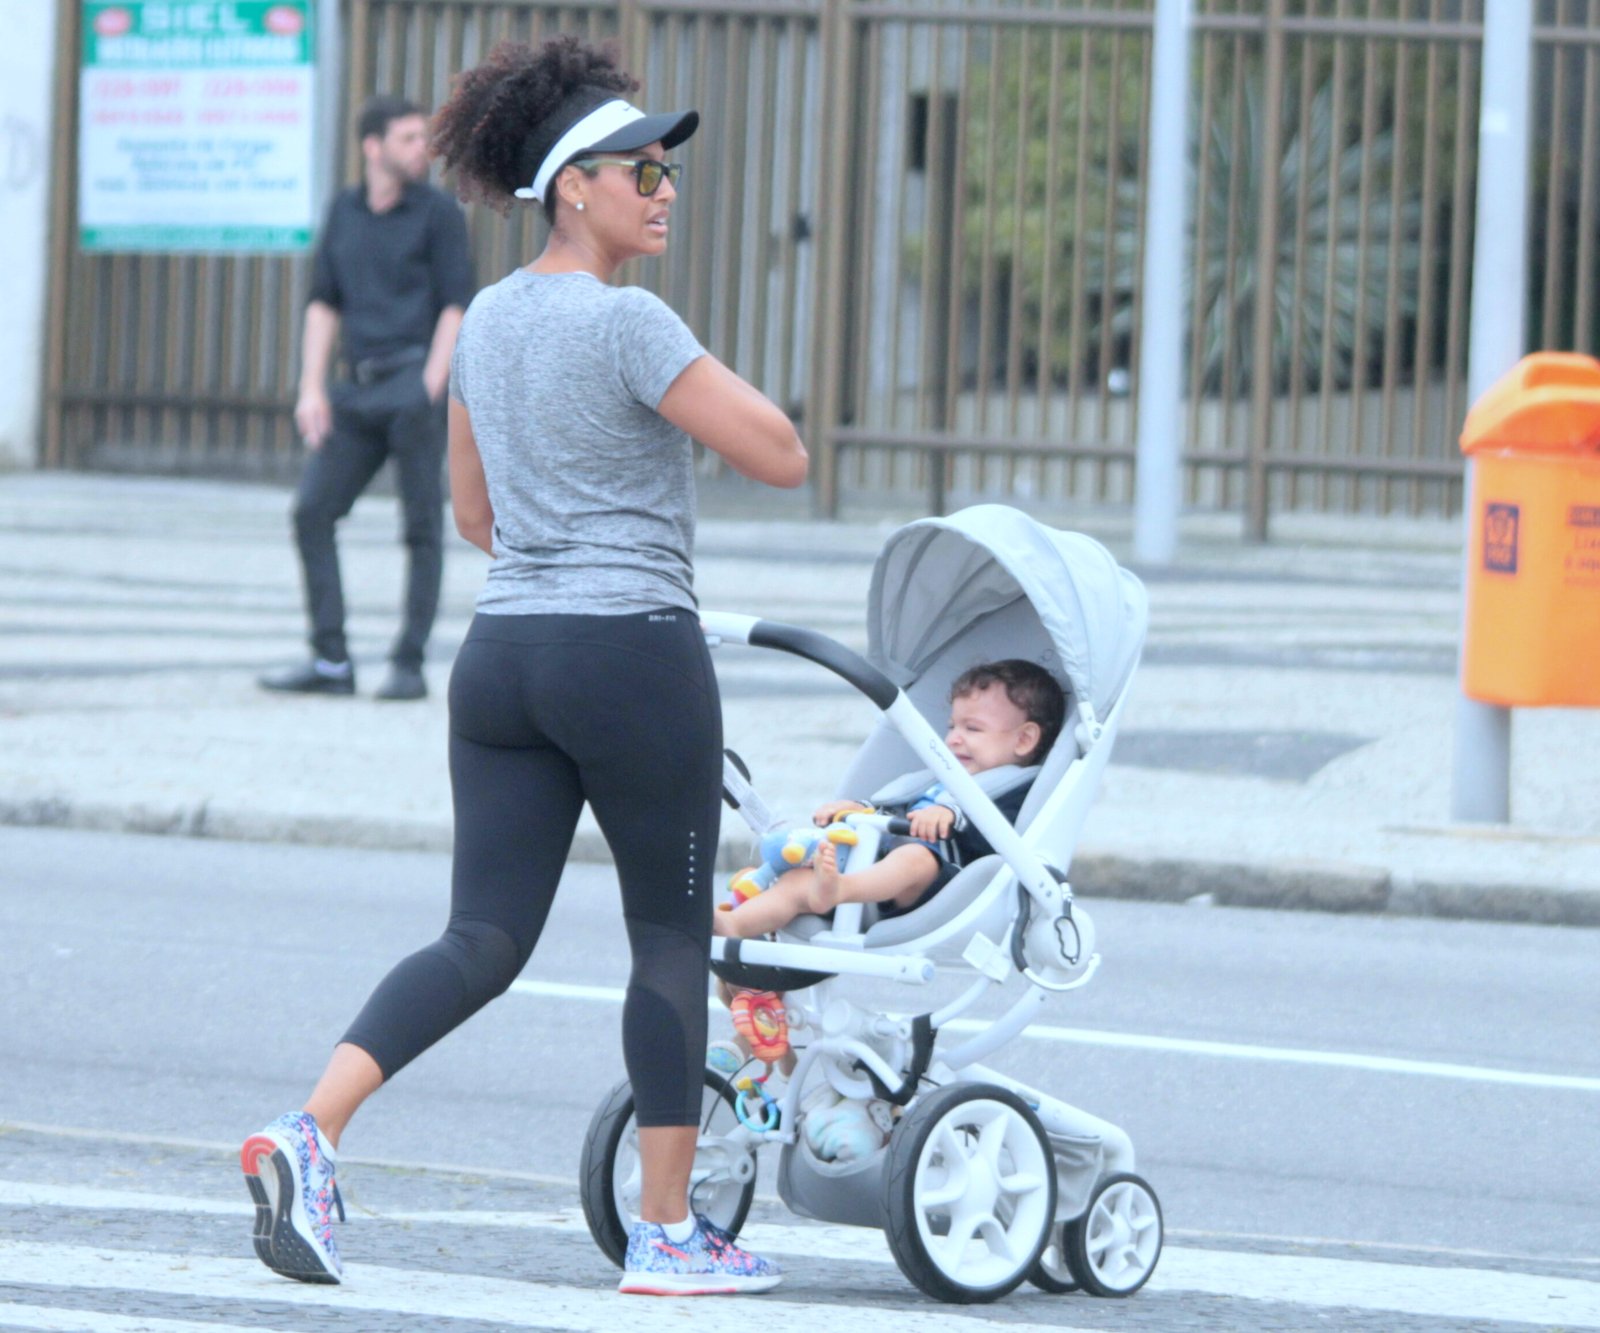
x,y
1288,743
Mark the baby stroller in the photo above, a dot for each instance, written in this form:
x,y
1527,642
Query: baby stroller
x,y
979,1182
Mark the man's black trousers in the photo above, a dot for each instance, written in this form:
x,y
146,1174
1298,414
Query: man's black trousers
x,y
392,418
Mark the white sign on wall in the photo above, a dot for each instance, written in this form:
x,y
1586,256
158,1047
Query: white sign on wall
x,y
195,125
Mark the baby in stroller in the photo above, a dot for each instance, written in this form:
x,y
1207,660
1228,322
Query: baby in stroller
x,y
1003,715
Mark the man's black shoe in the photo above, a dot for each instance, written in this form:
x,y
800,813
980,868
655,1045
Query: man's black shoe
x,y
403,682
316,677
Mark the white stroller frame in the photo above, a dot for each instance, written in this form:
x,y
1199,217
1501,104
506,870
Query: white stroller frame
x,y
1053,1197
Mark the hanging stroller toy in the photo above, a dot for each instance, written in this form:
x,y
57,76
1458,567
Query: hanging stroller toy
x,y
977,1180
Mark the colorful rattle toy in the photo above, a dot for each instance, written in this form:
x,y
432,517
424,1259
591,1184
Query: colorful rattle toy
x,y
756,1108
759,1018
782,851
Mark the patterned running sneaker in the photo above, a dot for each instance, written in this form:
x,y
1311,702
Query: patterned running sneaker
x,y
288,1168
707,1264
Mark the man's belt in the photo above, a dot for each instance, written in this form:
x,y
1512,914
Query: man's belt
x,y
374,368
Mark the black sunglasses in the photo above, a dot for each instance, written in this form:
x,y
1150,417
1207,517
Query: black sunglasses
x,y
648,172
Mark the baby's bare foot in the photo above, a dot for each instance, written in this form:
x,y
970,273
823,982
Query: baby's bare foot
x,y
825,889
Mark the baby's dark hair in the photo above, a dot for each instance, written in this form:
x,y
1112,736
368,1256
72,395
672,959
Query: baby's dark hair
x,y
1030,687
483,132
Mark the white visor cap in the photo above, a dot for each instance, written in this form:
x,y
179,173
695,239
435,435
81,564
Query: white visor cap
x,y
612,127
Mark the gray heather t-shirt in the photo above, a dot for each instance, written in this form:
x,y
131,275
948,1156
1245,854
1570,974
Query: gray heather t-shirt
x,y
592,490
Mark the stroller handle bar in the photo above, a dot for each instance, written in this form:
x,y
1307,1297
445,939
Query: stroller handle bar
x,y
806,643
1046,888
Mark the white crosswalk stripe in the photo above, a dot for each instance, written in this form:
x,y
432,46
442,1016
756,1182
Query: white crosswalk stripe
x,y
98,1321
1452,1291
534,1305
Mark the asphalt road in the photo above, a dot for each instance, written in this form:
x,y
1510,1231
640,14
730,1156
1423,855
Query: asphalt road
x,y
1413,1094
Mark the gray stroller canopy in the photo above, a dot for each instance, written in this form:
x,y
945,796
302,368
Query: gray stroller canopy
x,y
937,577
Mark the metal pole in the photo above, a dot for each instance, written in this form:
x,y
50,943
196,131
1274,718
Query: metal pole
x,y
329,90
1481,784
1158,481
827,348
1266,304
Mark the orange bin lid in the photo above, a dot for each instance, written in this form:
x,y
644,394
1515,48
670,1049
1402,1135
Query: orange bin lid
x,y
1548,403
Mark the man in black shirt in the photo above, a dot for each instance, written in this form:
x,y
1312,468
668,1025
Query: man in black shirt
x,y
392,276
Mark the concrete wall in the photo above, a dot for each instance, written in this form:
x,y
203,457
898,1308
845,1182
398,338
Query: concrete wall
x,y
27,63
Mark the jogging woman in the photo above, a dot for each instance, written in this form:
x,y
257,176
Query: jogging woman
x,y
584,676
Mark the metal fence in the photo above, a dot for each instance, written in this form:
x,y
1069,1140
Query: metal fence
x,y
917,227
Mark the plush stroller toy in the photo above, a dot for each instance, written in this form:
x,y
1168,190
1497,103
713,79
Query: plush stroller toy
x,y
783,850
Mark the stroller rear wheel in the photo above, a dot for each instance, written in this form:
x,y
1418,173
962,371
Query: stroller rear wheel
x,y
1113,1248
970,1192
609,1172
1052,1272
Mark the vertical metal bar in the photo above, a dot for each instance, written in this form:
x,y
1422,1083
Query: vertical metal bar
x,y
1266,277
1298,293
179,384
1460,240
1555,227
1481,790
144,324
359,82
654,55
759,218
1369,118
734,156
897,233
1108,292
701,253
1392,271
202,340
788,245
838,107
958,175
1231,351
63,233
1044,380
1328,369
393,48
117,349
1423,338
254,423
935,261
421,78
1078,315
632,45
867,139
1018,242
1141,133
986,281
1159,447
1202,243
1584,277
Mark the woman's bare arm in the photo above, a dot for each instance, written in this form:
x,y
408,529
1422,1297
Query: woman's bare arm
x,y
469,492
737,421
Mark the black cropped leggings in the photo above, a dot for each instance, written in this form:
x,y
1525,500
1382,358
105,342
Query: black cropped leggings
x,y
548,712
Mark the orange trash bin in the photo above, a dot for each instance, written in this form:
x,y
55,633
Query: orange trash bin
x,y
1532,624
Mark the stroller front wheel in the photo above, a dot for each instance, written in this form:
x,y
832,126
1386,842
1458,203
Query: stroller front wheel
x,y
609,1175
970,1192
